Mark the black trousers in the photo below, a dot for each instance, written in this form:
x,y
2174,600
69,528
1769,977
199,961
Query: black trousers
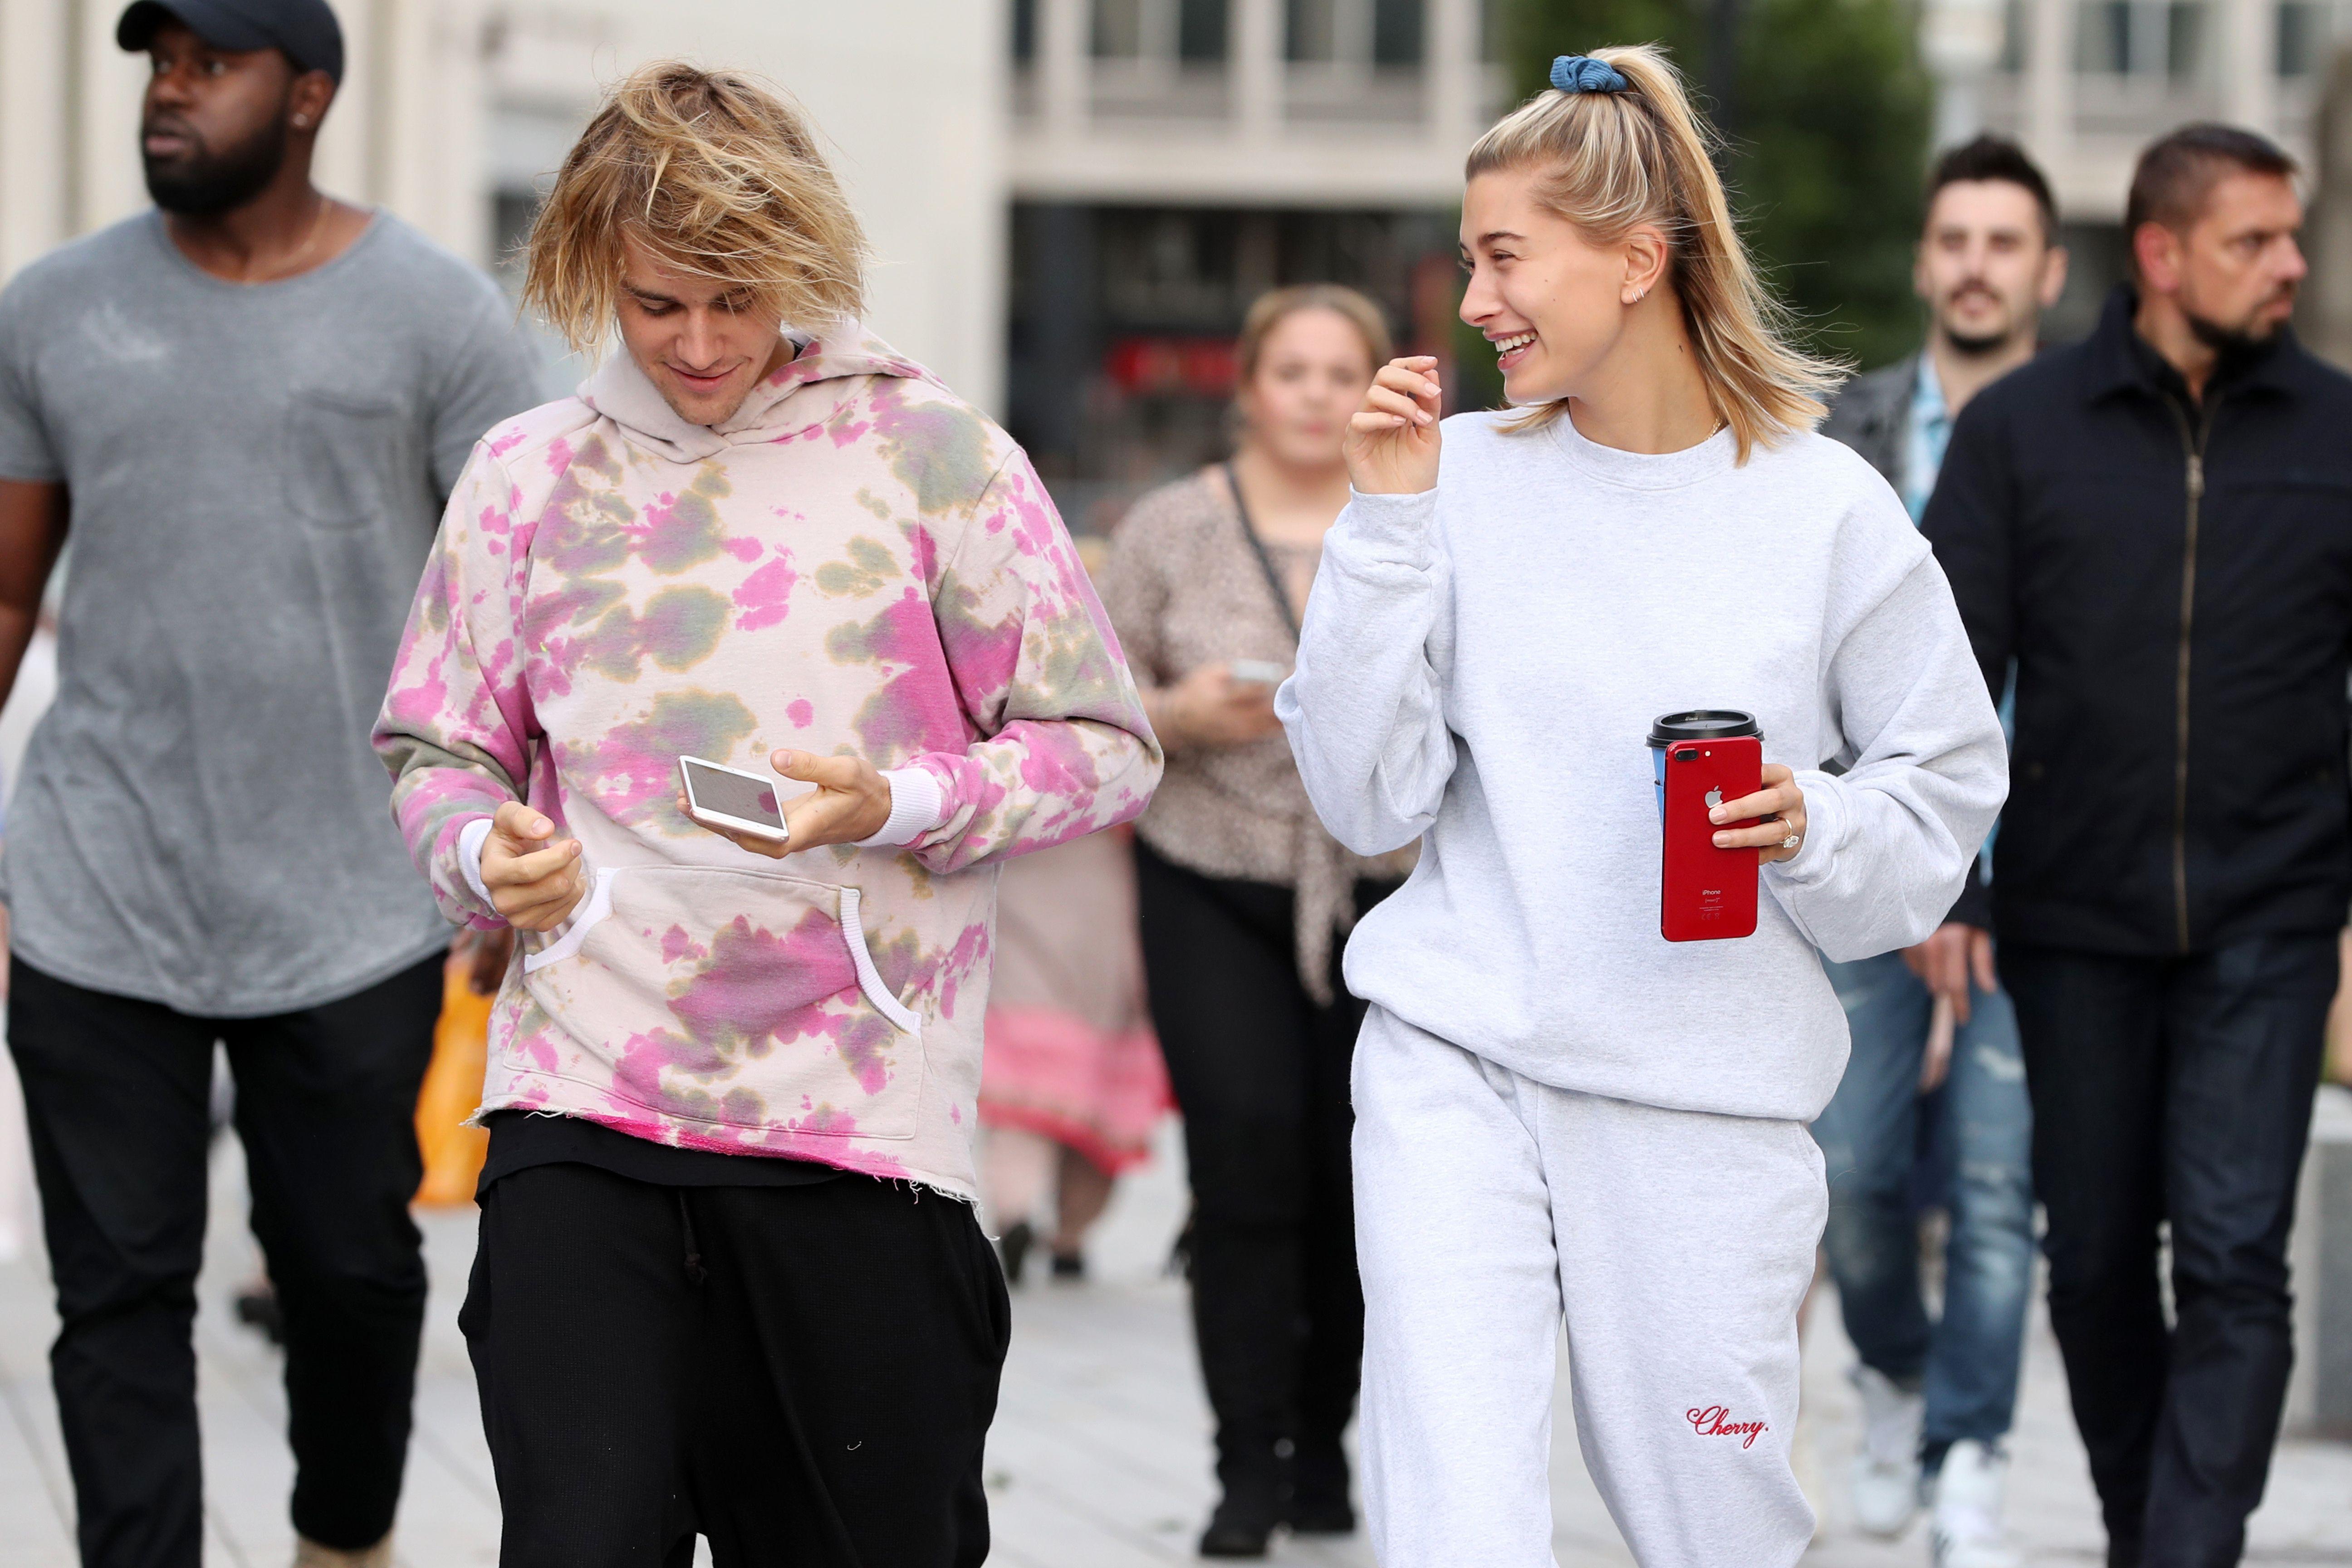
x,y
2173,1091
803,1374
1260,1072
117,1095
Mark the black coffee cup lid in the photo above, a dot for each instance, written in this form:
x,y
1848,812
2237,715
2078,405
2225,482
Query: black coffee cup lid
x,y
1703,724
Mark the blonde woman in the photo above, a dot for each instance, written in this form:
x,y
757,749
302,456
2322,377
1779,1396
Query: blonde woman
x,y
1245,898
729,1281
1557,1112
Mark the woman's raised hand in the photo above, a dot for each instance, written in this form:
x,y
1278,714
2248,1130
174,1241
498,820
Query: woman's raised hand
x,y
1391,444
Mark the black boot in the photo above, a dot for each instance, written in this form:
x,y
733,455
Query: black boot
x,y
1242,1526
1251,1474
1318,1501
256,1309
1012,1249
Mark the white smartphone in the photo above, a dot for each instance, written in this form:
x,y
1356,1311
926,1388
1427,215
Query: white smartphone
x,y
1258,672
731,800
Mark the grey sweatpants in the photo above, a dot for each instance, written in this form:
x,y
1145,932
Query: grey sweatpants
x,y
1678,1246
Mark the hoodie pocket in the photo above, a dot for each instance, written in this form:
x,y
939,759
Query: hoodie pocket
x,y
744,998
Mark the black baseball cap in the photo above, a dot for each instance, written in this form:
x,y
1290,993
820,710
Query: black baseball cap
x,y
306,31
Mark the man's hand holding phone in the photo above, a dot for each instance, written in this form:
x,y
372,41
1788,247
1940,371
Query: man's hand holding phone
x,y
534,882
851,802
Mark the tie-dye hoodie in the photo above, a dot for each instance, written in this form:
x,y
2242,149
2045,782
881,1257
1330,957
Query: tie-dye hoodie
x,y
857,561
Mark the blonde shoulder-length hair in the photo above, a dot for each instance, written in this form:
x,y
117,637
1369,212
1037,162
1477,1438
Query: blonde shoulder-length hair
x,y
1610,162
718,174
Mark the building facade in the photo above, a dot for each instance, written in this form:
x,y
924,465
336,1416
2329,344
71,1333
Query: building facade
x,y
1073,201
2086,84
1146,166
454,113
1171,160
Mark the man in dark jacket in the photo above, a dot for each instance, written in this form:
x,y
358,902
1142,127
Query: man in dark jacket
x,y
2156,525
1937,1396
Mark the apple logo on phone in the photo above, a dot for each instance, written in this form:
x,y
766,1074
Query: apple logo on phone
x,y
1715,797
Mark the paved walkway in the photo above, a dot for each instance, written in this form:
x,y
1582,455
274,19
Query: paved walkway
x,y
1100,1458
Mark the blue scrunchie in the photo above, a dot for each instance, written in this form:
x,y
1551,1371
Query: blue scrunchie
x,y
1582,73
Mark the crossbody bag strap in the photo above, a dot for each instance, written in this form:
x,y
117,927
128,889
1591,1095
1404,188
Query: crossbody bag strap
x,y
1265,559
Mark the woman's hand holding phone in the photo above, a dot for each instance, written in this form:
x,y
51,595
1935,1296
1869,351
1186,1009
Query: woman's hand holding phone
x,y
536,884
1210,707
851,802
1392,441
1778,798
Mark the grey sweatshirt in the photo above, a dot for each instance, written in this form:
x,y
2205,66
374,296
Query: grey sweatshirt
x,y
1479,667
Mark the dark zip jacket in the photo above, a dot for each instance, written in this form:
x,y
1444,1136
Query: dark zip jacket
x,y
2174,582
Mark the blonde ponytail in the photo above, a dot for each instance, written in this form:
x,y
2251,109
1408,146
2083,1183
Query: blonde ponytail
x,y
1610,161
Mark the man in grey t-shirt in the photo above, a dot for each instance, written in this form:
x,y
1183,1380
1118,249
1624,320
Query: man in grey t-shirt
x,y
245,409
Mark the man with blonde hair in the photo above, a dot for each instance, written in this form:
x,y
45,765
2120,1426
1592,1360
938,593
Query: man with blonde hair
x,y
729,1282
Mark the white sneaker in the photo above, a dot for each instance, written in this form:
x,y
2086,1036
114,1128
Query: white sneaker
x,y
1965,1530
1887,1471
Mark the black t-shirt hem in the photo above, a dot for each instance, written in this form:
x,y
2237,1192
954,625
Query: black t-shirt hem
x,y
521,1139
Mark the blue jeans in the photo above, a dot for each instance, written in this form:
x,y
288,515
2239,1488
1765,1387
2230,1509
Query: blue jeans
x,y
1967,1361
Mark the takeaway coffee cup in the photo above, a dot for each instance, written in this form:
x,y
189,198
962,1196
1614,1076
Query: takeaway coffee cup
x,y
1698,724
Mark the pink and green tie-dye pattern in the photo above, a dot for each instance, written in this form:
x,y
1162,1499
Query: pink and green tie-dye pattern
x,y
857,561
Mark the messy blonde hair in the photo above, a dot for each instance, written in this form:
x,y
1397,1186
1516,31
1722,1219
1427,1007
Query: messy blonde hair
x,y
1610,161
1271,309
717,173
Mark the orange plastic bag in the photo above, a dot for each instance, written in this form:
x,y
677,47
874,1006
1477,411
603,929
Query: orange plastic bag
x,y
2338,1063
453,1091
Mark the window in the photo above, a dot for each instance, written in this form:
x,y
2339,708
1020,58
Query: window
x,y
1353,32
1192,31
1396,32
2141,38
2102,37
2184,39
2302,37
1117,30
1201,31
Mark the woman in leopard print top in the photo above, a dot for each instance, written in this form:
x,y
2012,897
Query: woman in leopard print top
x,y
1244,900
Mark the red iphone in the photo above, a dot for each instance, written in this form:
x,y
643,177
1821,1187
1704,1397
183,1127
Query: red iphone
x,y
1707,893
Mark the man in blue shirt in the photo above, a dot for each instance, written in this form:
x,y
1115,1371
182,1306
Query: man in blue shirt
x,y
1937,1396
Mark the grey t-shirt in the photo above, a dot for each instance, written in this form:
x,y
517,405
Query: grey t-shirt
x,y
255,474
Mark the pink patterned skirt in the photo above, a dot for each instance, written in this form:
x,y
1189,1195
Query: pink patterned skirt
x,y
1069,1052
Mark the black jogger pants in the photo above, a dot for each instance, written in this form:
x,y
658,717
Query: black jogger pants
x,y
803,1374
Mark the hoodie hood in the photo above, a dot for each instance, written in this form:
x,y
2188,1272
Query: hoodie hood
x,y
799,394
